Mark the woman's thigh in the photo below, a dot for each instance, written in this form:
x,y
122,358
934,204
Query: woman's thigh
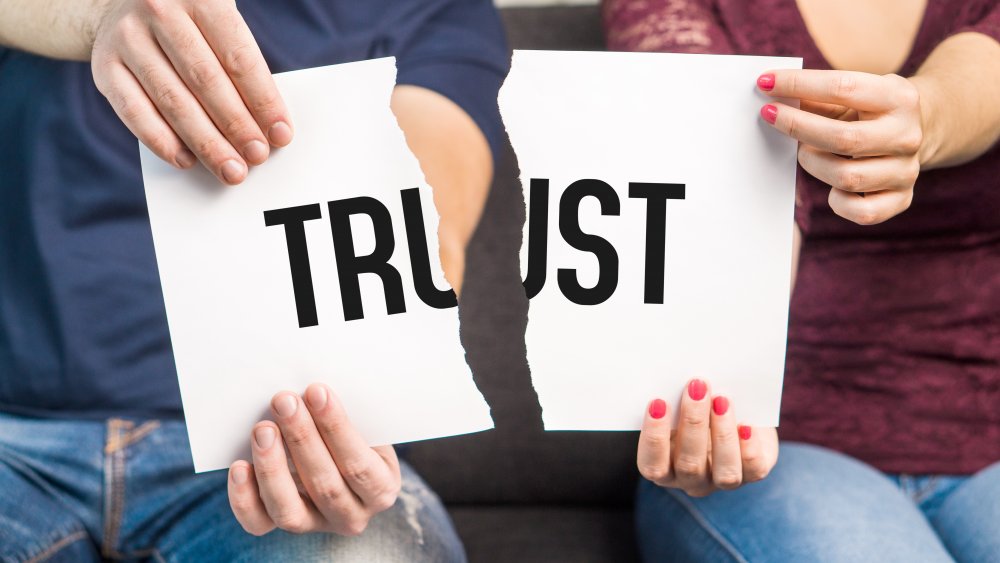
x,y
817,505
969,520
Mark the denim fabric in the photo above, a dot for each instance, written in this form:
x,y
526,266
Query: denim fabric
x,y
819,505
86,490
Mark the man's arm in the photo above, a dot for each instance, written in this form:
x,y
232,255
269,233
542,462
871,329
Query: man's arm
x,y
185,76
959,86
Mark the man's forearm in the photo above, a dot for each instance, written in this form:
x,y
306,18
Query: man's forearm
x,y
60,29
959,86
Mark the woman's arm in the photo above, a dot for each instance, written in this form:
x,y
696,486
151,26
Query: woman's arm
x,y
959,87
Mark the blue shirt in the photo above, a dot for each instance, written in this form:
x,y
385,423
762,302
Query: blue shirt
x,y
83,331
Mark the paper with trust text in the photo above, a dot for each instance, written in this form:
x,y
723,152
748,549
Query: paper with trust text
x,y
228,288
630,118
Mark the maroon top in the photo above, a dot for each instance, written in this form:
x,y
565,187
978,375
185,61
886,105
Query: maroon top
x,y
894,336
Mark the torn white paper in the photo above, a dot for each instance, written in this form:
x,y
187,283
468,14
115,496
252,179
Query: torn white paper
x,y
227,279
626,120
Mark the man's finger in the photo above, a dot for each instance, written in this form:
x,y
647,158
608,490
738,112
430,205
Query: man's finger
x,y
859,174
859,90
653,456
181,109
138,113
849,138
198,66
280,496
365,471
319,474
235,47
690,453
244,498
727,470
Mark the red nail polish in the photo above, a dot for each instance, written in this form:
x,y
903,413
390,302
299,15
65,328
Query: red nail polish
x,y
769,113
720,405
744,432
697,389
657,408
766,82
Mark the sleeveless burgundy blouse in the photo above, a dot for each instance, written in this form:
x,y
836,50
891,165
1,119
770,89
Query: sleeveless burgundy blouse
x,y
894,333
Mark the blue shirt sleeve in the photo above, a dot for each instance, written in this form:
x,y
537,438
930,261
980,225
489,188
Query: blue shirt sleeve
x,y
462,53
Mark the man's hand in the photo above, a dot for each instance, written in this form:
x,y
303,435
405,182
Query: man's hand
x,y
340,482
708,451
188,79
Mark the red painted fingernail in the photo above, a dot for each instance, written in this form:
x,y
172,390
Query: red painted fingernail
x,y
720,405
744,432
769,113
657,408
766,82
697,389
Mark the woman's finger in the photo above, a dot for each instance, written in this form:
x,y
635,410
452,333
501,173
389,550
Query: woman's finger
x,y
870,208
850,138
281,498
653,456
198,66
727,469
138,113
860,174
320,476
364,470
860,90
235,47
244,498
758,452
690,458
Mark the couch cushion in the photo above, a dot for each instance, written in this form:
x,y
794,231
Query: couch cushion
x,y
544,534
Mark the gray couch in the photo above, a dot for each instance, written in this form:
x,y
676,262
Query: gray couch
x,y
517,493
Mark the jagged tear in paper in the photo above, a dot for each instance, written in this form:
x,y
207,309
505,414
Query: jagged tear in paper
x,y
626,118
228,289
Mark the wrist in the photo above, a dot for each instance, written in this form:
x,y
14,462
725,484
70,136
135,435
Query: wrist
x,y
96,15
930,144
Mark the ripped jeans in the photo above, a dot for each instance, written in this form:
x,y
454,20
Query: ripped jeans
x,y
126,490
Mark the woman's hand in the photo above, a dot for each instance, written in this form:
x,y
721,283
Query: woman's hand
x,y
707,451
860,133
344,482
188,79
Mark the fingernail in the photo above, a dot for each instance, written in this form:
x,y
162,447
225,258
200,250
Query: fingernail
x,y
316,397
255,152
766,82
232,171
697,389
186,159
240,474
657,408
280,134
744,432
264,436
720,405
285,405
769,113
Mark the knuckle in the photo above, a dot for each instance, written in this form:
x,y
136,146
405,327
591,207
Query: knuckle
x,y
844,86
237,127
325,490
290,520
204,75
847,140
728,479
850,179
687,466
693,420
655,441
360,472
910,141
754,474
161,144
269,105
241,61
169,100
295,435
792,124
384,501
354,526
654,472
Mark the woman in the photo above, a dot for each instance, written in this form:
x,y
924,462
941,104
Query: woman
x,y
892,393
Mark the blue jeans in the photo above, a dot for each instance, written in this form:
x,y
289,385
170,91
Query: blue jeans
x,y
819,505
85,491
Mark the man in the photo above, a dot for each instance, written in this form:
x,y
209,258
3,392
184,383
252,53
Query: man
x,y
94,459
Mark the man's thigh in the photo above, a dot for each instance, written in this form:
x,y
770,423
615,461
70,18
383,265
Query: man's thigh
x,y
33,525
416,529
969,520
817,505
